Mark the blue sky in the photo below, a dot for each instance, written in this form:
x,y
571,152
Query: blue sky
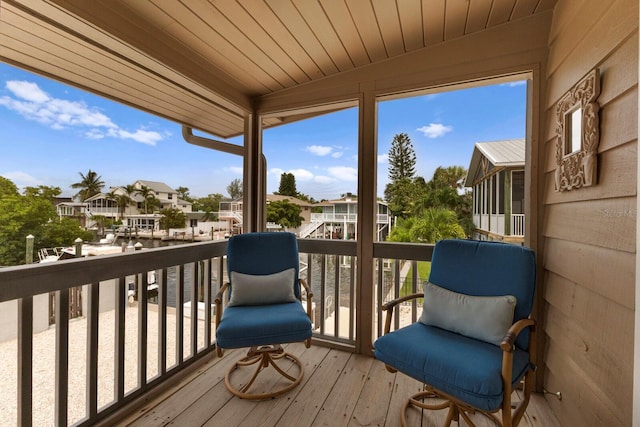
x,y
49,132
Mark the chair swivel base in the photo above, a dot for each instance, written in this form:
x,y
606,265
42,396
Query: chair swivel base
x,y
455,409
263,357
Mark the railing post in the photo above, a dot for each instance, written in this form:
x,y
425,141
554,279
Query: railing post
x,y
367,208
29,252
25,361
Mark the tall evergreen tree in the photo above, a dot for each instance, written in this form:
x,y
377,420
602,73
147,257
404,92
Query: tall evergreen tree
x,y
235,189
402,168
402,158
288,185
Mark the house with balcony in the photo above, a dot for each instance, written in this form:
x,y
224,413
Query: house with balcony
x,y
71,209
235,68
496,175
339,220
133,215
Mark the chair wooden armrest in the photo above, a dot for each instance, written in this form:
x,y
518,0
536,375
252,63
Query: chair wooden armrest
x,y
221,291
508,342
508,347
219,307
389,305
306,288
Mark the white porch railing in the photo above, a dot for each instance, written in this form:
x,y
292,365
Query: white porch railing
x,y
161,349
110,211
345,217
517,224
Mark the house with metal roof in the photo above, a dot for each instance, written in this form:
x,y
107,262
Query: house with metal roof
x,y
496,175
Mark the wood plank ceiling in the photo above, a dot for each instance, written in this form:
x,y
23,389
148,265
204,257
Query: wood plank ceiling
x,y
205,63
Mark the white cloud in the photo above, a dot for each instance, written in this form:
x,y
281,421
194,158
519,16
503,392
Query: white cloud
x,y
344,173
321,179
302,174
515,84
276,171
142,136
435,130
33,103
319,150
27,91
234,169
383,158
94,134
337,154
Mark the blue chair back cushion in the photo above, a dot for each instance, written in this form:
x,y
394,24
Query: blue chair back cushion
x,y
487,269
263,253
462,367
246,326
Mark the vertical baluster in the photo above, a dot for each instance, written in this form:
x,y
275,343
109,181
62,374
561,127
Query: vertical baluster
x,y
352,274
318,306
92,350
414,289
119,334
208,265
162,280
323,268
336,293
194,308
25,361
142,329
62,356
396,293
379,294
221,277
179,314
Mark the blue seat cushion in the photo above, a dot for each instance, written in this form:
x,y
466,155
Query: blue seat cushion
x,y
247,326
462,367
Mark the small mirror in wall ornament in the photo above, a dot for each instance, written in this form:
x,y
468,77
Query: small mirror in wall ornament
x,y
578,135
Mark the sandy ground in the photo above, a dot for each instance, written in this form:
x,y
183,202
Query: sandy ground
x,y
44,364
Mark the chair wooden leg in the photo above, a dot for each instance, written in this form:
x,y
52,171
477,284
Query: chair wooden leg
x,y
264,357
418,401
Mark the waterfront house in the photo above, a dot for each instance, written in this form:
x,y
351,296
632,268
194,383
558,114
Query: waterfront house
x,y
233,68
496,175
339,220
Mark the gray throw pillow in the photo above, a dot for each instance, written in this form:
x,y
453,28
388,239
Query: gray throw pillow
x,y
480,317
253,289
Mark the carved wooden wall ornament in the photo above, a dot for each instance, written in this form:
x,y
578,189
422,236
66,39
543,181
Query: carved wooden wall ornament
x,y
578,135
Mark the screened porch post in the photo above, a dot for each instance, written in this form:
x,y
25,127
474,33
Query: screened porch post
x,y
253,185
367,173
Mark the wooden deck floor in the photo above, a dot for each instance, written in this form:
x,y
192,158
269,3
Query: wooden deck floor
x,y
338,389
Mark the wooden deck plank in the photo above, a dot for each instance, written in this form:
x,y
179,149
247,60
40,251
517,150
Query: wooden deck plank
x,y
338,388
339,406
305,408
170,407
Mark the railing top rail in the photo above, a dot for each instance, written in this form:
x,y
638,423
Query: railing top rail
x,y
27,280
33,279
325,246
406,251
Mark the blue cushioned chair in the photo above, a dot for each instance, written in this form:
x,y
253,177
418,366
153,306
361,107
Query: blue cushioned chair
x,y
466,372
262,308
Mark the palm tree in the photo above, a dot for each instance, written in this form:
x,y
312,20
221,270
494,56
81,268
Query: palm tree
x,y
146,194
121,200
90,185
436,224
